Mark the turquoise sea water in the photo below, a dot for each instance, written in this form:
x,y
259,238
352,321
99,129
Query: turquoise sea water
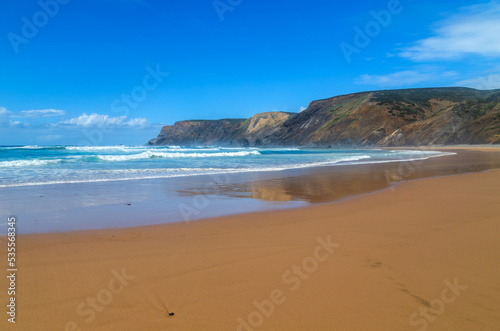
x,y
42,165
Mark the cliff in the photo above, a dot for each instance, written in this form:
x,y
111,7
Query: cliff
x,y
254,131
427,116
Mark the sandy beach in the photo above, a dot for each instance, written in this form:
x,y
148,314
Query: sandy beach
x,y
234,165
422,255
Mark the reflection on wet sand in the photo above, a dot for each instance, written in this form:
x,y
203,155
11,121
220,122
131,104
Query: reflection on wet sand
x,y
321,185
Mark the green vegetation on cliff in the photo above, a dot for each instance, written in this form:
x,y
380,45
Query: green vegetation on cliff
x,y
427,116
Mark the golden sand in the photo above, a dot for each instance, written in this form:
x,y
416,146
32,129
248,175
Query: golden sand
x,y
422,256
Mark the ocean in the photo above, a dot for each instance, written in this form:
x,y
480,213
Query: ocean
x,y
44,165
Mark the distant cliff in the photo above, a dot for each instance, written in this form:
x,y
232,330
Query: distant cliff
x,y
254,131
427,116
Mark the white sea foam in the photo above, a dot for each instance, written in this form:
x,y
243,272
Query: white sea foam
x,y
103,148
27,147
28,163
89,170
120,148
154,154
32,147
327,163
138,174
190,149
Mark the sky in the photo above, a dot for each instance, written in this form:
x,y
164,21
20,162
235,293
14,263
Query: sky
x,y
102,72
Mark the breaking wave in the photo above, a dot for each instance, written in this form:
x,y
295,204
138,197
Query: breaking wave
x,y
28,163
153,154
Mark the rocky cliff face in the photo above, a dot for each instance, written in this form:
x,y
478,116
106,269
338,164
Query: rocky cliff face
x,y
202,132
254,131
381,118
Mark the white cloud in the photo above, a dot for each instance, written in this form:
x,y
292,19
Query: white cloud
x,y
28,115
138,122
404,78
98,120
302,108
4,117
487,82
4,113
41,113
475,31
93,120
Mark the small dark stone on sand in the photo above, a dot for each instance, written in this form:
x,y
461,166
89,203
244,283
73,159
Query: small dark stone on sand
x,y
171,314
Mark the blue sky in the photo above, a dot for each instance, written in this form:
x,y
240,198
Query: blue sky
x,y
100,72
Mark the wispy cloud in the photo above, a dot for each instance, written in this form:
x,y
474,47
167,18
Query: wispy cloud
x,y
474,31
405,77
28,118
5,117
10,119
17,124
32,114
4,112
105,121
486,82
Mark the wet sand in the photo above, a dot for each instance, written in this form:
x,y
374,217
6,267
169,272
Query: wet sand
x,y
328,184
70,207
422,254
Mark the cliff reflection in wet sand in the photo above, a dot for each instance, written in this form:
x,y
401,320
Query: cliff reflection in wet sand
x,y
328,184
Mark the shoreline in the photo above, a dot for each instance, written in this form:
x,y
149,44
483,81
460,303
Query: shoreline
x,y
231,171
158,201
481,148
398,250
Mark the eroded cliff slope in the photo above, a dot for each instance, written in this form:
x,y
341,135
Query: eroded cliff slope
x,y
427,116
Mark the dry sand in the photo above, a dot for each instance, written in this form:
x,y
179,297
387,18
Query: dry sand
x,y
400,252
